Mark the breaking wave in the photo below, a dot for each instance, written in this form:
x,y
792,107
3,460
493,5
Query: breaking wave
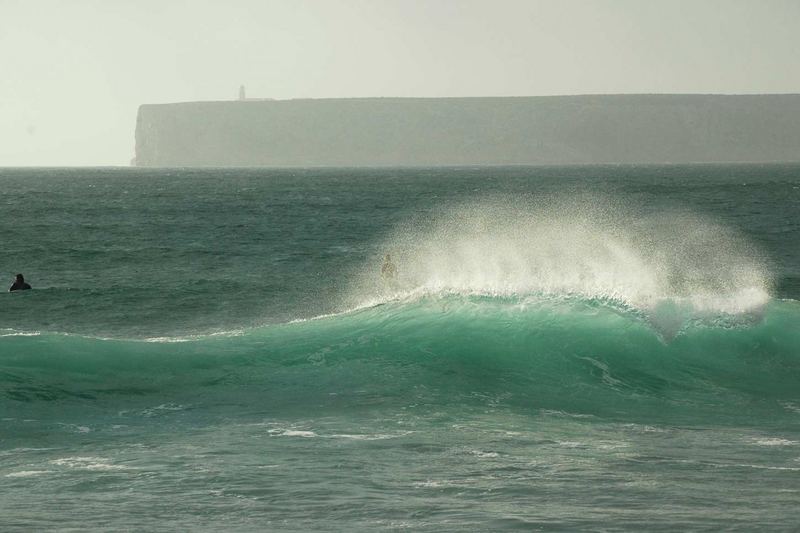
x,y
586,248
576,307
570,355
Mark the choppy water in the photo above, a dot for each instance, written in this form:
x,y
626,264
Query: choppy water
x,y
562,348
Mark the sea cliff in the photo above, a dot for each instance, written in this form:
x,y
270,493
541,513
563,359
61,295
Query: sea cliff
x,y
471,131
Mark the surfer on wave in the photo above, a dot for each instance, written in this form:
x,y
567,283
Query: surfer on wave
x,y
19,284
388,270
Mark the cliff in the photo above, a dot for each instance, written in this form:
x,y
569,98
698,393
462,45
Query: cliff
x,y
471,131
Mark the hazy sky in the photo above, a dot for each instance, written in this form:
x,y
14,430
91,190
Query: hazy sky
x,y
73,72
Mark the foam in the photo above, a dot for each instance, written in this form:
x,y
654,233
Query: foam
x,y
775,441
87,463
28,473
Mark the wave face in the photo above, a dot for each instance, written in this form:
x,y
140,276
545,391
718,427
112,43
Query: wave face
x,y
429,404
563,354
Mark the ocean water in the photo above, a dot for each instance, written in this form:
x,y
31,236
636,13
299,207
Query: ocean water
x,y
562,348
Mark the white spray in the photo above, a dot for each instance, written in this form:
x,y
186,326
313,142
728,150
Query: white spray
x,y
578,248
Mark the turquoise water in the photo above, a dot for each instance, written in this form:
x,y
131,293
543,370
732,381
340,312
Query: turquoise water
x,y
562,348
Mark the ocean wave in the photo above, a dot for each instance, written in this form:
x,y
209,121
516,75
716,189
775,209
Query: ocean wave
x,y
570,355
587,248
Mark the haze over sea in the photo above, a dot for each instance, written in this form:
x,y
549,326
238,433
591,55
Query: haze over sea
x,y
606,347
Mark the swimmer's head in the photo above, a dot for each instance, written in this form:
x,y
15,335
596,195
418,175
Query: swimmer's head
x,y
20,277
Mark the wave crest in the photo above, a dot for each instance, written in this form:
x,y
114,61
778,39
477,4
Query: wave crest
x,y
583,248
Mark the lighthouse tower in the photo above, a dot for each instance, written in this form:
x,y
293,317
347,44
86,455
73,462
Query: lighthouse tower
x,y
242,96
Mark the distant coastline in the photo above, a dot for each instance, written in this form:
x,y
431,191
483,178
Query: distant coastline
x,y
351,132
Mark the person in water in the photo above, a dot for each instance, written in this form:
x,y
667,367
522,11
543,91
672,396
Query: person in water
x,y
388,270
19,284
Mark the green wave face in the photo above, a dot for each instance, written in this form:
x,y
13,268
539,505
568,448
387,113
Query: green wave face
x,y
576,356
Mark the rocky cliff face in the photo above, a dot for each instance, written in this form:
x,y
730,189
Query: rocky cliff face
x,y
471,131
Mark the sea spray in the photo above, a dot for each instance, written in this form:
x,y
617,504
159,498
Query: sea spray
x,y
672,266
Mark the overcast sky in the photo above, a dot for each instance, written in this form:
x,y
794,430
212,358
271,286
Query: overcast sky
x,y
73,72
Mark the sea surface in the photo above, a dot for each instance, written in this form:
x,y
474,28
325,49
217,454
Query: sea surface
x,y
561,348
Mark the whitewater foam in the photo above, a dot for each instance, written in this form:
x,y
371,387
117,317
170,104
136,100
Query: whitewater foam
x,y
28,473
88,463
775,441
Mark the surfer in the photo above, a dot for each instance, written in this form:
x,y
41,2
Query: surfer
x,y
388,270
19,284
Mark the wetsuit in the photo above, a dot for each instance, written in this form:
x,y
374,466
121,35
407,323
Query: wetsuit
x,y
19,286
